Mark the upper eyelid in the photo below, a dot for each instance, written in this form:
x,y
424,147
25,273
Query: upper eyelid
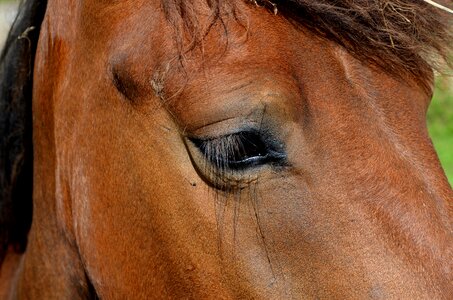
x,y
230,133
270,152
223,137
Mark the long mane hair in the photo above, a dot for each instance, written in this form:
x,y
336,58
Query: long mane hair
x,y
16,147
400,36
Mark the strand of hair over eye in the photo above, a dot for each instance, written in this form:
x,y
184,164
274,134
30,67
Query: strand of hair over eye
x,y
435,4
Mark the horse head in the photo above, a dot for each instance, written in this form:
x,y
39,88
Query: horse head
x,y
226,149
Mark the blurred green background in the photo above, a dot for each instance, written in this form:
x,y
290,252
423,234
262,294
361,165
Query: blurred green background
x,y
440,123
440,114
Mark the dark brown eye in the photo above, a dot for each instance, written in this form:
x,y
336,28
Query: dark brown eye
x,y
240,151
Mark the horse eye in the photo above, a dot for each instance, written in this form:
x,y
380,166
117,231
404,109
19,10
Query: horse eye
x,y
240,151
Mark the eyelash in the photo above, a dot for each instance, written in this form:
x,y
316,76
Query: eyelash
x,y
240,151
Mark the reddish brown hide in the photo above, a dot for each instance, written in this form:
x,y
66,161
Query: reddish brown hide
x,y
255,159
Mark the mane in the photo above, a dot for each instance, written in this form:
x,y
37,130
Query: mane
x,y
399,36
16,153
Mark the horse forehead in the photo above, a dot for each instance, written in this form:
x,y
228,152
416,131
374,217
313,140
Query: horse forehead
x,y
269,46
265,38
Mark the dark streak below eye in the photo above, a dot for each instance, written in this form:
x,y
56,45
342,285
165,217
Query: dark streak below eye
x,y
125,84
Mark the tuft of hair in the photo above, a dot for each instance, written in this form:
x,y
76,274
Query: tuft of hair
x,y
400,36
16,153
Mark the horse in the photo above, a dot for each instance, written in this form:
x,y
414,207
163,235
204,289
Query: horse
x,y
223,149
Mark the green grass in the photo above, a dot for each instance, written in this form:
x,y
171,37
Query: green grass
x,y
440,123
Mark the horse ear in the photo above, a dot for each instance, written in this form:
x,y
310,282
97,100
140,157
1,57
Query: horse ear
x,y
16,146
